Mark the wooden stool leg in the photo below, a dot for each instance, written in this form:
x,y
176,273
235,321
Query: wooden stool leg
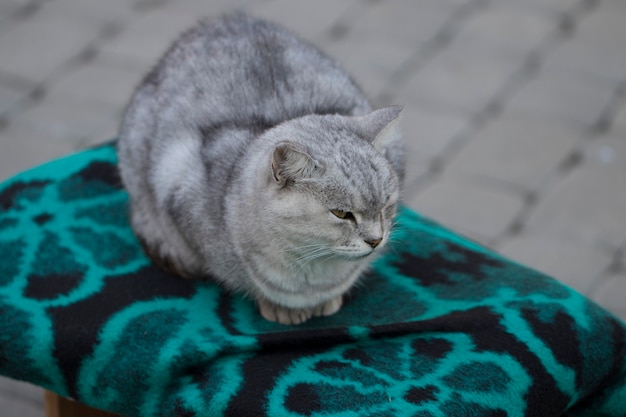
x,y
57,406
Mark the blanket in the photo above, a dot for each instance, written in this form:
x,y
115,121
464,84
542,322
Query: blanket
x,y
440,326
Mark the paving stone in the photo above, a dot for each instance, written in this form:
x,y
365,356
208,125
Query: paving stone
x,y
209,7
608,151
212,7
60,117
22,391
10,95
610,294
371,63
41,44
20,399
576,264
613,7
605,25
516,149
441,5
381,40
98,81
507,28
417,170
588,205
586,58
8,10
398,24
479,211
140,43
15,3
307,18
444,3
16,407
546,6
429,133
461,79
94,10
563,96
126,63
24,147
619,120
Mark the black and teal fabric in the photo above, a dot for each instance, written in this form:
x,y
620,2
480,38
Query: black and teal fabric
x,y
440,327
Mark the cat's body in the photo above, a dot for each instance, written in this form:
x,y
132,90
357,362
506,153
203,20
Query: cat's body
x,y
251,157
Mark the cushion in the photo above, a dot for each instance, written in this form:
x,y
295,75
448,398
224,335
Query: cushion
x,y
440,326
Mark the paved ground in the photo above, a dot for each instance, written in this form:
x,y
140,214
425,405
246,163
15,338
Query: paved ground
x,y
515,109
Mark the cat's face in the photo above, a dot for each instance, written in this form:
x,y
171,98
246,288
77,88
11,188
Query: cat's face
x,y
361,225
335,194
339,216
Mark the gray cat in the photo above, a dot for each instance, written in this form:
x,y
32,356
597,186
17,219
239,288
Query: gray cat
x,y
253,158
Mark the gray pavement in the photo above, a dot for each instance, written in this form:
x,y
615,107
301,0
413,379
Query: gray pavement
x,y
515,110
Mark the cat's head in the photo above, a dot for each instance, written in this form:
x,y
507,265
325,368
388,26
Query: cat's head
x,y
335,182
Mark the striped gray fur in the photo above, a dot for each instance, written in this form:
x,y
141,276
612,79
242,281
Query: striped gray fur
x,y
237,149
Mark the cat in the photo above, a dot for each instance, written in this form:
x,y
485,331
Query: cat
x,y
253,158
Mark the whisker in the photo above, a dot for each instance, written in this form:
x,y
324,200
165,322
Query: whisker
x,y
317,251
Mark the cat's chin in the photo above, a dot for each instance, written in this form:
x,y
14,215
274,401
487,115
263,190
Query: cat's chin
x,y
285,315
353,254
358,257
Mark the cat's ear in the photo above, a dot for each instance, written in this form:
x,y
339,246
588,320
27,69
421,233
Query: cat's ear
x,y
382,127
291,162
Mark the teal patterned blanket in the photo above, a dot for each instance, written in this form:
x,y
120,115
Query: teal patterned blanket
x,y
440,327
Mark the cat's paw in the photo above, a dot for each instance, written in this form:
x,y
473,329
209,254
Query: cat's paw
x,y
328,308
165,261
285,315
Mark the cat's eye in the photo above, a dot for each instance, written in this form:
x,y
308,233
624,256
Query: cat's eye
x,y
346,215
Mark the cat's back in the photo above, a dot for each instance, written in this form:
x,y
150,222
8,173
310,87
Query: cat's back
x,y
239,70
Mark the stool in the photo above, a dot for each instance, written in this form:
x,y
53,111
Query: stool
x,y
57,406
439,326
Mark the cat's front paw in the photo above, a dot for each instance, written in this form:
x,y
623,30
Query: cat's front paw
x,y
285,315
164,261
328,308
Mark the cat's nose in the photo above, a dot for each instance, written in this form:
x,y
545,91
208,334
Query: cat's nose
x,y
373,242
